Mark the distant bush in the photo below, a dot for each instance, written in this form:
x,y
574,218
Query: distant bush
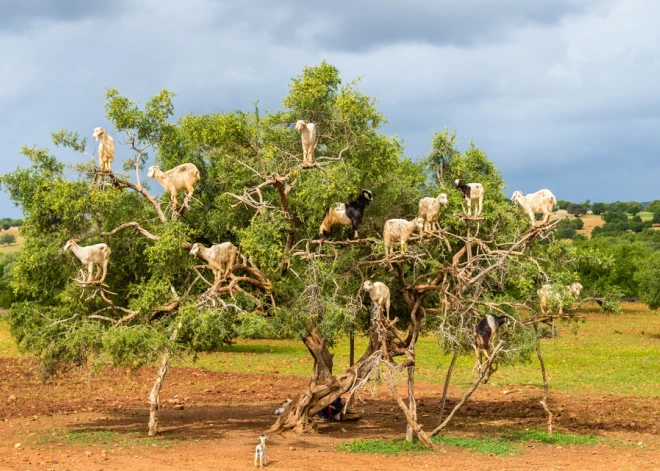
x,y
599,208
7,239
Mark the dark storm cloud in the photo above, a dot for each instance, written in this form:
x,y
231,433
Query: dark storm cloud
x,y
19,14
550,90
350,25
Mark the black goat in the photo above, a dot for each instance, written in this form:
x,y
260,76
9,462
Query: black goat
x,y
346,213
485,334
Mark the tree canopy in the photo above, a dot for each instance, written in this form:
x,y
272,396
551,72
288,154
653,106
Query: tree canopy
x,y
254,193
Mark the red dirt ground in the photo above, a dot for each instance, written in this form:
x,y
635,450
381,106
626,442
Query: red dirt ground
x,y
224,413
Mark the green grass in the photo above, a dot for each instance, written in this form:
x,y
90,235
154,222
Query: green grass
x,y
558,438
505,445
596,360
8,348
105,438
646,216
609,355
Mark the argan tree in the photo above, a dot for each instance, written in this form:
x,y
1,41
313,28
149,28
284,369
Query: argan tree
x,y
254,192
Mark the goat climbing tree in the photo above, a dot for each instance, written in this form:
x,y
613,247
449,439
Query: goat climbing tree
x,y
254,192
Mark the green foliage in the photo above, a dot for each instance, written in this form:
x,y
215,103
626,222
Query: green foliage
x,y
7,239
567,228
599,208
647,277
558,438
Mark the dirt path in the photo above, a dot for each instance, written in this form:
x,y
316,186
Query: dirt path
x,y
223,414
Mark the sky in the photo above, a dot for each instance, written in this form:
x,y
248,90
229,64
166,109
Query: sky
x,y
561,94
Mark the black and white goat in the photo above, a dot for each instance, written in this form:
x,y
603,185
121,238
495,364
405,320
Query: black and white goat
x,y
485,334
471,192
346,213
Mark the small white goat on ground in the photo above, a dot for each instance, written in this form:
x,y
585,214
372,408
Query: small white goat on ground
x,y
380,296
260,452
220,258
180,177
471,192
106,149
553,295
92,256
400,230
541,202
308,136
429,208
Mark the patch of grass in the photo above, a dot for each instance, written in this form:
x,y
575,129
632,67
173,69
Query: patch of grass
x,y
8,348
505,445
382,447
106,438
558,438
487,445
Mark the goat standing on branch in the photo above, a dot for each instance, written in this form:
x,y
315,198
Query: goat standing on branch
x,y
380,296
220,258
471,192
308,135
346,213
106,149
183,176
541,202
552,295
400,230
429,208
485,334
94,255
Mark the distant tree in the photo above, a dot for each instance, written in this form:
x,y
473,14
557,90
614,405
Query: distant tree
x,y
618,207
648,278
656,217
6,225
7,239
578,223
599,208
577,209
653,207
634,207
615,216
566,229
563,204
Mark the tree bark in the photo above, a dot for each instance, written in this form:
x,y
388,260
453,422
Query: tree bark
x,y
446,388
544,401
412,404
323,387
154,397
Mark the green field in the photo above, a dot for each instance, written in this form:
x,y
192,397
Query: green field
x,y
611,353
16,246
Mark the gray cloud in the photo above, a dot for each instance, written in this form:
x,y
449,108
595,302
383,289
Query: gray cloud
x,y
552,93
346,25
20,14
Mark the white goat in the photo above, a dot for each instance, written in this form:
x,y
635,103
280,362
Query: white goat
x,y
429,208
552,294
400,230
380,296
182,176
541,202
280,410
106,149
308,135
260,452
93,255
220,258
471,192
